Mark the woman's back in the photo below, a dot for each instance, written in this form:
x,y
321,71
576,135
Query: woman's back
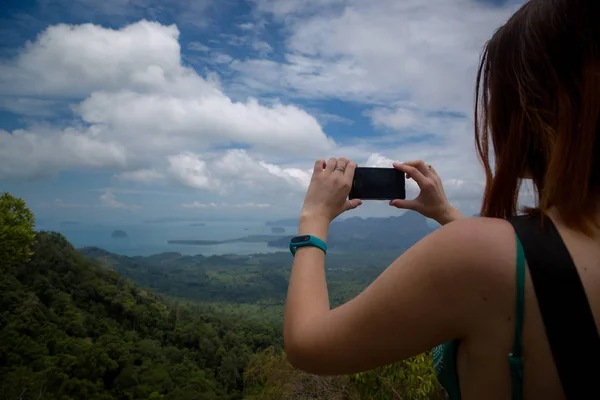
x,y
538,107
537,117
482,361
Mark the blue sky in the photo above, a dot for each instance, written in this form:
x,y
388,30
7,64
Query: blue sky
x,y
140,109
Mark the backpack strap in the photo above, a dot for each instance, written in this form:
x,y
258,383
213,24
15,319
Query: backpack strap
x,y
568,319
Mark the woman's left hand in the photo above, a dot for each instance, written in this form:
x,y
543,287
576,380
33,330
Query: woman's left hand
x,y
327,194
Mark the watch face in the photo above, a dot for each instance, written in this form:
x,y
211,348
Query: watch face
x,y
301,239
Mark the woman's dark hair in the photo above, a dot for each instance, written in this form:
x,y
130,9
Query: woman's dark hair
x,y
538,102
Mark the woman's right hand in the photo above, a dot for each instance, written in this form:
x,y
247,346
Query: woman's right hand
x,y
431,201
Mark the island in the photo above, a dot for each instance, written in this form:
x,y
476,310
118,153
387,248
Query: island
x,y
118,234
246,239
277,229
198,224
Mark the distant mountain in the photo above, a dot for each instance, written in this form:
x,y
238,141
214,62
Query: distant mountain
x,y
356,233
241,279
283,222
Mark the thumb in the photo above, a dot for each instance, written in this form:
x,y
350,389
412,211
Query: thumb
x,y
352,204
405,204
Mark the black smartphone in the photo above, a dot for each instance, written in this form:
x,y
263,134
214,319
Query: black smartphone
x,y
378,184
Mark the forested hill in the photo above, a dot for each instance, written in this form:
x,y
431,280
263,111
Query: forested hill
x,y
70,329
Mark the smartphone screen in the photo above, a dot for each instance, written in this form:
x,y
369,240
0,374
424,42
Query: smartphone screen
x,y
378,184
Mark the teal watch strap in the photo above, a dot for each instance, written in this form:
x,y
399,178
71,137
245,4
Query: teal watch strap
x,y
307,240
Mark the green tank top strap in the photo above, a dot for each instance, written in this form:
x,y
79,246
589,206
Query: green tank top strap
x,y
444,356
515,358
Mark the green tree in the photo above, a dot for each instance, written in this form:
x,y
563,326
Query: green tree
x,y
269,376
16,231
73,329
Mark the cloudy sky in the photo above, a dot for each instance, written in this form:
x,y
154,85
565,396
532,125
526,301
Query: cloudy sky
x,y
138,109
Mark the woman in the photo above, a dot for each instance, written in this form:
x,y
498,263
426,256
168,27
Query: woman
x,y
503,329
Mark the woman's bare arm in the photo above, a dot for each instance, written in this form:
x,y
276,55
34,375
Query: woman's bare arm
x,y
431,294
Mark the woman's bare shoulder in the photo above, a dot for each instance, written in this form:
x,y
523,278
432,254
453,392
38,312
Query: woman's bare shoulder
x,y
487,248
484,231
478,255
483,247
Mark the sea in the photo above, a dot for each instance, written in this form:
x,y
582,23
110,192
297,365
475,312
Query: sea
x,y
145,239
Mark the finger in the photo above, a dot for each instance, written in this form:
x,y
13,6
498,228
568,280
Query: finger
x,y
433,171
414,173
352,204
330,165
341,164
399,168
349,173
319,165
420,165
404,204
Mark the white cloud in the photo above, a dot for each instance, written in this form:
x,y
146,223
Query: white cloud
x,y
203,206
235,40
282,9
147,176
197,46
238,165
147,118
191,11
234,170
407,124
191,171
247,26
75,60
376,160
167,121
326,118
378,51
222,58
42,152
108,199
262,47
120,190
398,119
140,105
59,203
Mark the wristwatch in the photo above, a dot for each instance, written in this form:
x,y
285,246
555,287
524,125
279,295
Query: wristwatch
x,y
307,240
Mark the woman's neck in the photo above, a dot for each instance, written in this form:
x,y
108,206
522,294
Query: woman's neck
x,y
554,214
